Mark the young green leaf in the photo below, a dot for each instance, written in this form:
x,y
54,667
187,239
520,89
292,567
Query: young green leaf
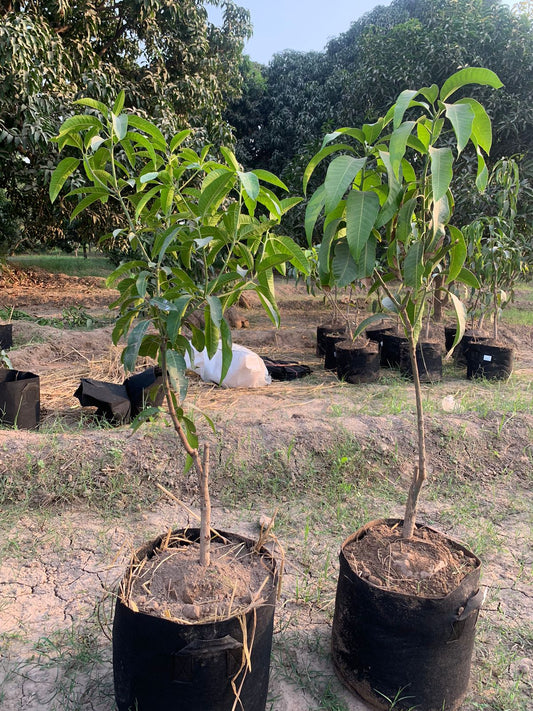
x,y
63,171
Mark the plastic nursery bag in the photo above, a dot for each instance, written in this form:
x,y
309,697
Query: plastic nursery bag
x,y
247,369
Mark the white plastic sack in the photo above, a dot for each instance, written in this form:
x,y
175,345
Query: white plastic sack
x,y
247,369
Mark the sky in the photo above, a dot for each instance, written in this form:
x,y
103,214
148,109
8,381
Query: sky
x,y
303,25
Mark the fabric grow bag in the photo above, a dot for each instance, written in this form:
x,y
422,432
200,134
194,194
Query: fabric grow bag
x,y
20,399
357,364
325,330
121,403
470,336
487,360
286,369
6,336
428,360
376,333
144,389
162,665
330,355
413,649
390,349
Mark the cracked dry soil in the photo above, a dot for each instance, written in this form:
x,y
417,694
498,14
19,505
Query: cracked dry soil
x,y
78,497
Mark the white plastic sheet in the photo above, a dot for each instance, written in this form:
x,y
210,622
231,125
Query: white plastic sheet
x,y
247,369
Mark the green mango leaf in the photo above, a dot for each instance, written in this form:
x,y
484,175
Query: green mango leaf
x,y
312,212
120,125
176,368
101,196
80,122
405,220
461,117
441,171
460,320
294,252
318,157
214,189
430,93
178,139
402,104
141,124
465,276
413,266
227,352
481,126
131,351
482,175
374,318
93,104
469,75
211,332
63,171
250,184
458,252
343,265
268,177
362,209
230,158
215,310
339,177
398,145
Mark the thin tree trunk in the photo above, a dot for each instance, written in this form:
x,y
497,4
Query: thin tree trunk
x,y
205,512
419,473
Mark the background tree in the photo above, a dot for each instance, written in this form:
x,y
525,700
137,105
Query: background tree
x,y
408,43
176,67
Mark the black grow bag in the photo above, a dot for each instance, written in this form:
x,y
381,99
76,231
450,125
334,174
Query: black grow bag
x,y
20,399
461,349
376,333
487,360
330,355
162,665
415,649
357,364
121,403
428,361
326,330
390,349
6,336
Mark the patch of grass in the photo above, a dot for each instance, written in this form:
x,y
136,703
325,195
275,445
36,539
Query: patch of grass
x,y
94,265
500,682
72,317
303,660
68,670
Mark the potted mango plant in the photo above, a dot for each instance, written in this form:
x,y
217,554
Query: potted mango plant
x,y
497,253
407,597
194,613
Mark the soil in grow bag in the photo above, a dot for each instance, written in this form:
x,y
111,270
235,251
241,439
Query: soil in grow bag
x,y
390,349
20,399
487,359
428,360
6,336
326,330
330,355
181,641
414,642
357,361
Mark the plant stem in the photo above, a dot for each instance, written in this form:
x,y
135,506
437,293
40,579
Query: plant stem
x,y
419,473
205,511
202,471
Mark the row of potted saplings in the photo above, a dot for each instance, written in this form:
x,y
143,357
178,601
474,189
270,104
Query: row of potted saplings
x,y
358,361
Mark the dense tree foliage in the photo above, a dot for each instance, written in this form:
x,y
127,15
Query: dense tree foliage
x,y
176,67
409,43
